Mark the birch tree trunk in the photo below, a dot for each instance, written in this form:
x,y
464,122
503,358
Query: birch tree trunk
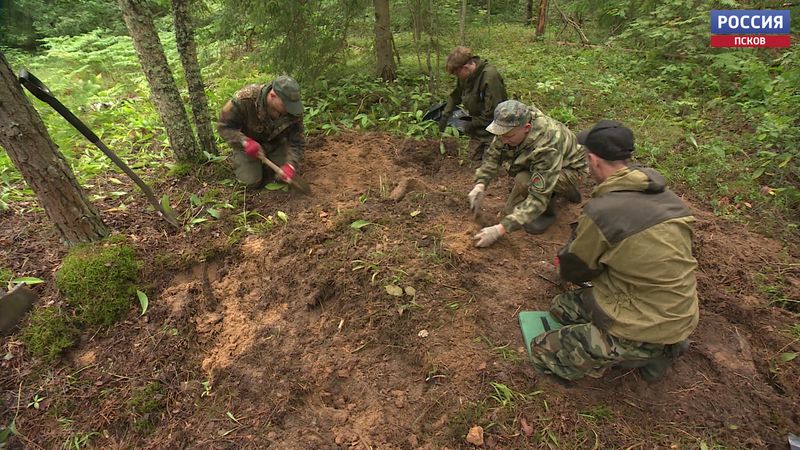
x,y
187,49
163,89
26,141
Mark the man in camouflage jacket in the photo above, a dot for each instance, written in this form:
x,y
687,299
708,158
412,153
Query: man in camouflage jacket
x,y
633,241
264,119
544,158
480,88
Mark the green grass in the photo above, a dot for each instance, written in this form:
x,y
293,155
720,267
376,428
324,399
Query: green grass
x,y
99,281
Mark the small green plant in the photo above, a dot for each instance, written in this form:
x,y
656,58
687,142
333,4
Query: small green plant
x,y
6,432
504,351
79,440
599,413
770,283
359,224
206,388
201,208
6,275
795,330
250,222
36,401
505,396
144,302
99,281
146,403
371,267
48,333
181,169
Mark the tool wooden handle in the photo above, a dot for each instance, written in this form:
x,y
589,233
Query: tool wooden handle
x,y
270,164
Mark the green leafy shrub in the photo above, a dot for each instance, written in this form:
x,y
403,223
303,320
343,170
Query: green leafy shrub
x,y
99,281
48,334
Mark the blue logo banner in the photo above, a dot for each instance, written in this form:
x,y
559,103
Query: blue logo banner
x,y
750,21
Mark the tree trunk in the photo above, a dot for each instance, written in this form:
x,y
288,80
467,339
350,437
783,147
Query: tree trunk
x,y
159,76
25,139
528,12
542,18
383,41
462,22
187,49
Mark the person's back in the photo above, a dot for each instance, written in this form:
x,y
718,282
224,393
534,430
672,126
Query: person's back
x,y
633,242
647,287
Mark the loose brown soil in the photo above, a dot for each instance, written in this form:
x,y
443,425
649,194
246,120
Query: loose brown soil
x,y
288,338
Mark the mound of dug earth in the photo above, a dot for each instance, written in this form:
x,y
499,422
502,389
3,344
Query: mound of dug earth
x,y
369,321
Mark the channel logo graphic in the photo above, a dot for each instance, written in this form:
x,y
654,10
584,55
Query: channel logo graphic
x,y
753,28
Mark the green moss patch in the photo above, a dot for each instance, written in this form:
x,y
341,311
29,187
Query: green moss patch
x,y
146,404
99,282
49,333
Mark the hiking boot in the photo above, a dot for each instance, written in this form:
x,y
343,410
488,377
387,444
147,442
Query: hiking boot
x,y
655,369
572,194
540,224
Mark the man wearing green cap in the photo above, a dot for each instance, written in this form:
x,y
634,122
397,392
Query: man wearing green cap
x,y
544,158
266,119
633,241
479,88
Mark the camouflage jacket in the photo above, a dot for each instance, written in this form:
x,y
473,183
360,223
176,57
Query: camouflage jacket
x,y
246,115
549,147
633,241
480,95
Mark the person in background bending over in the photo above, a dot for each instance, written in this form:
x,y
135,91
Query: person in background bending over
x,y
480,88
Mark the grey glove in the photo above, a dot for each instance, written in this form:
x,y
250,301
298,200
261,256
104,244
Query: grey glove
x,y
476,197
489,235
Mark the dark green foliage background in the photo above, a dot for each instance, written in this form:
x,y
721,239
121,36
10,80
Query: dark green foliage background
x,y
721,122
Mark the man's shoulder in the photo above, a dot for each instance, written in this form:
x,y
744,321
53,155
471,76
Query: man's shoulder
x,y
620,214
490,71
249,92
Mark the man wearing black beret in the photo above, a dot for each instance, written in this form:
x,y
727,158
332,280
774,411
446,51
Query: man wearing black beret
x,y
633,242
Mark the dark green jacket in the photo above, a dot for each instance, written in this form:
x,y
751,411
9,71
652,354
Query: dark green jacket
x,y
480,94
633,241
246,115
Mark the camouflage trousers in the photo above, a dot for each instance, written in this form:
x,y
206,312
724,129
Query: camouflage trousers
x,y
476,147
580,348
567,179
253,172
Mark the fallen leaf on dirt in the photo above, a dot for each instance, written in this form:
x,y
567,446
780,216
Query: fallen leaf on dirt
x,y
525,427
394,290
475,436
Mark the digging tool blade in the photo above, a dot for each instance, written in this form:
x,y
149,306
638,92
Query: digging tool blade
x,y
297,183
13,306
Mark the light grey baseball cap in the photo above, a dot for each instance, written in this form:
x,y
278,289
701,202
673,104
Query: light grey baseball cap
x,y
507,116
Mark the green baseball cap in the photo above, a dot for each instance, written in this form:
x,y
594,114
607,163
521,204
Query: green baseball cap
x,y
289,92
507,116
